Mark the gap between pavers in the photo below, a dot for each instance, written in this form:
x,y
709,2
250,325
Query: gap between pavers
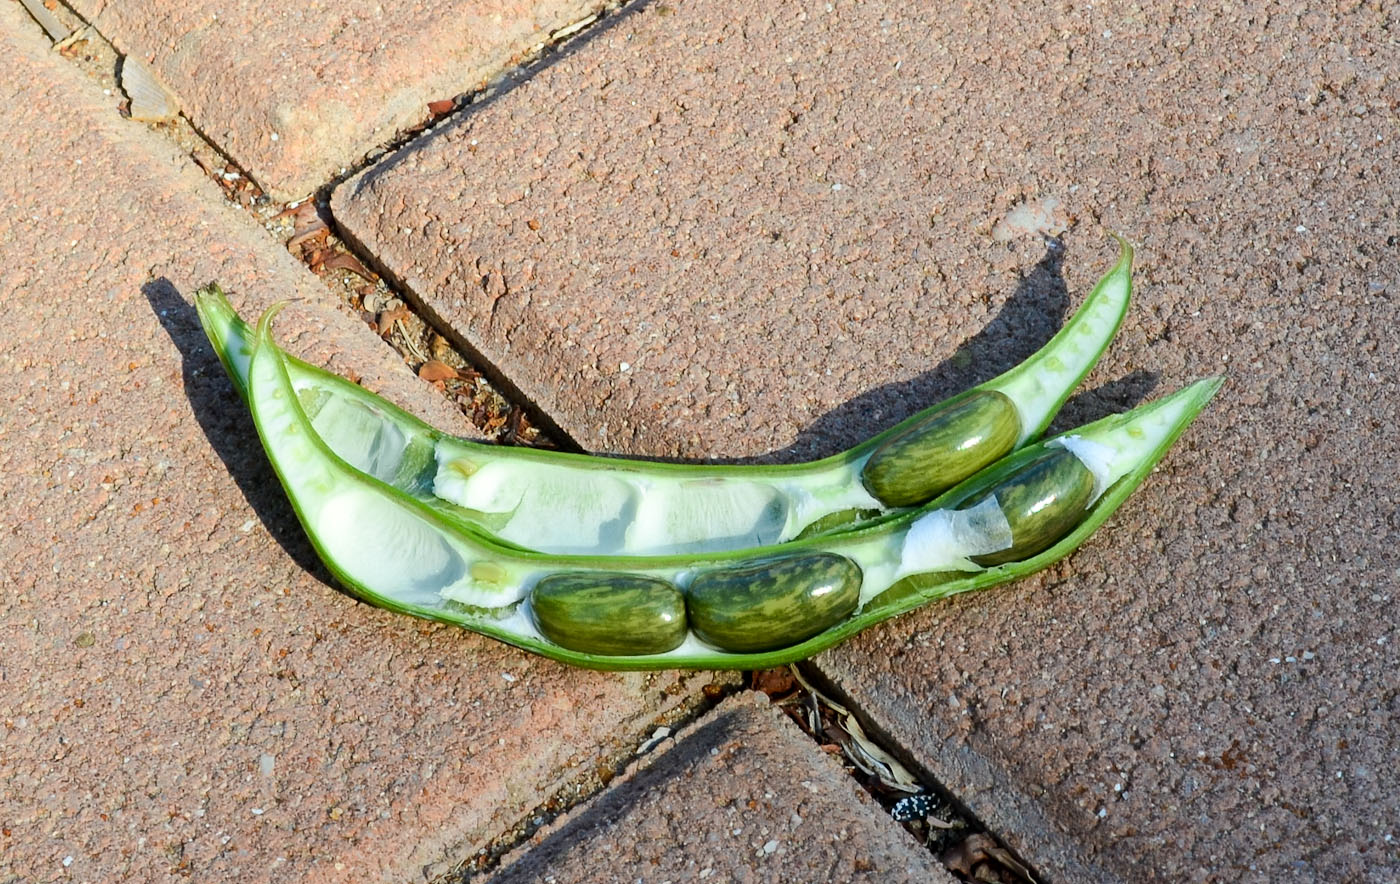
x,y
182,693
740,795
295,93
738,228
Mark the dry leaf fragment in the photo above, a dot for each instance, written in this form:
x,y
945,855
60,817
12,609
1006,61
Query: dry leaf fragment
x,y
776,683
441,106
314,230
347,261
387,319
432,370
151,102
980,858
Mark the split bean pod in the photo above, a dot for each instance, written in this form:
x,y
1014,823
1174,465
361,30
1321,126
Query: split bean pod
x,y
754,607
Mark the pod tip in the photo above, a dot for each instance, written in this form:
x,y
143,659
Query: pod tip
x,y
1125,249
265,321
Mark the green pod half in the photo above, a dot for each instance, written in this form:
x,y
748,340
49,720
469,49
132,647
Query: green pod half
x,y
609,613
1043,500
774,602
572,504
929,457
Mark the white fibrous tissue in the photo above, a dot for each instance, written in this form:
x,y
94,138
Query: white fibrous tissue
x,y
1099,458
944,538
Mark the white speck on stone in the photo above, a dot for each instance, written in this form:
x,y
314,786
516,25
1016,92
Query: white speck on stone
x,y
624,366
1275,660
508,677
247,526
257,811
770,847
837,186
706,872
67,861
1103,812
275,136
1308,655
1107,34
266,764
1300,229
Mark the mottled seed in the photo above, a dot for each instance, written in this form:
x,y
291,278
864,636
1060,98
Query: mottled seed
x,y
926,459
609,613
840,520
1043,501
774,602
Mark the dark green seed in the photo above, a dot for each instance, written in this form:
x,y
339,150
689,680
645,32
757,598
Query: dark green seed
x,y
837,521
772,603
1043,501
924,460
613,614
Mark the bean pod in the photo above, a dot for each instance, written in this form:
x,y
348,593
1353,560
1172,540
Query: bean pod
x,y
741,608
565,503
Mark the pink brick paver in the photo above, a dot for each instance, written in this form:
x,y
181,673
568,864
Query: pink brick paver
x,y
294,92
712,224
742,795
180,697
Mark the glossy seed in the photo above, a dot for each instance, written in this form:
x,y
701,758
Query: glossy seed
x,y
938,452
841,520
609,613
1043,501
774,602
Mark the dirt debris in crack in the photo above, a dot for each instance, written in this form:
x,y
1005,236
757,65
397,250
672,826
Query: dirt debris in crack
x,y
959,841
304,227
611,760
516,70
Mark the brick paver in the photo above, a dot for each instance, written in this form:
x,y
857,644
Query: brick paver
x,y
294,92
720,229
181,695
742,795
689,226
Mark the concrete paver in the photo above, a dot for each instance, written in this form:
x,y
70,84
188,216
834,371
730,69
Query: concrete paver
x,y
181,695
754,245
742,795
711,225
295,92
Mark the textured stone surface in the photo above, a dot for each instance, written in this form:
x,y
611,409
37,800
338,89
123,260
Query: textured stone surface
x,y
742,795
1203,692
296,91
181,693
699,234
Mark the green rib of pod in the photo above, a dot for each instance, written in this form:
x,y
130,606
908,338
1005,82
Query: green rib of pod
x,y
773,503
331,497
